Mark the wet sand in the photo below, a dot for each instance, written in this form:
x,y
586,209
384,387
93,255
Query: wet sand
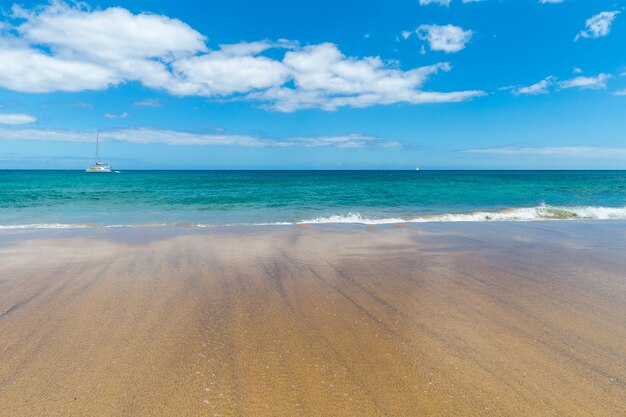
x,y
506,319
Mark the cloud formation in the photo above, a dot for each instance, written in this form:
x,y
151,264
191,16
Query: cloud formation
x,y
446,38
116,115
541,87
444,2
325,78
439,2
149,102
594,83
544,86
177,137
16,119
63,47
597,25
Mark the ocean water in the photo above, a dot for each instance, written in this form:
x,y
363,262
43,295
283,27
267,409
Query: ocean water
x,y
205,198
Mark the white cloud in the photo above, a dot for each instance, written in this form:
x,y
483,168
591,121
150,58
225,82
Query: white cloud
x,y
113,34
62,47
314,76
444,2
32,71
116,116
175,137
325,78
593,83
80,105
619,93
16,118
446,38
554,151
149,102
439,2
598,25
76,105
91,49
550,1
541,87
223,72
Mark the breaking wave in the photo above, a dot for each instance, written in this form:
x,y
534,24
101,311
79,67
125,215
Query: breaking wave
x,y
539,213
513,214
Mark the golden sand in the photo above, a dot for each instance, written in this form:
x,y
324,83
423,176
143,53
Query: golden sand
x,y
497,320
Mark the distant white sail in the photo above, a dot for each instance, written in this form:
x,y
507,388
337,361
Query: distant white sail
x,y
99,167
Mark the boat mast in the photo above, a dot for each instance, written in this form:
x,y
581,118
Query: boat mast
x,y
97,147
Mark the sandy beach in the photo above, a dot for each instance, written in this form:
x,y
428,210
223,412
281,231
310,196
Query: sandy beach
x,y
481,319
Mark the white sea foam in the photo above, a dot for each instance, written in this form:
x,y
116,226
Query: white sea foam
x,y
532,214
517,214
268,224
46,226
351,218
539,213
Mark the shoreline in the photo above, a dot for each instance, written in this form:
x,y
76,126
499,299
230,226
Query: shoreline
x,y
541,212
438,319
329,221
163,231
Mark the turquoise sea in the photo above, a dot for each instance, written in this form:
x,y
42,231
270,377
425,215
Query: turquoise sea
x,y
203,198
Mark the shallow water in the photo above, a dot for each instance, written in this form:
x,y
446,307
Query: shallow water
x,y
74,198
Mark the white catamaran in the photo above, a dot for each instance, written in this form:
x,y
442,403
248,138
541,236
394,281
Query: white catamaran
x,y
100,167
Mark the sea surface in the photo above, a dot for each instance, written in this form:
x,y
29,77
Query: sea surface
x,y
49,199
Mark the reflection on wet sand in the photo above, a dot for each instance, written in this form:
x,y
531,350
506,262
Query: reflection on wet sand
x,y
426,320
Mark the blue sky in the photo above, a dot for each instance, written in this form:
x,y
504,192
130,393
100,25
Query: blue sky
x,y
491,84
